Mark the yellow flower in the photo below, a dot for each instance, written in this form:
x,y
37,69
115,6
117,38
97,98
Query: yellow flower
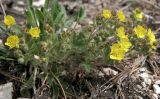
x,y
34,32
152,39
107,14
140,31
125,43
117,53
121,32
116,46
151,36
153,46
121,16
12,41
138,14
9,20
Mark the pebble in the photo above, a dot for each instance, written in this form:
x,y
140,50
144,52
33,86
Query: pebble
x,y
110,72
156,87
155,96
6,91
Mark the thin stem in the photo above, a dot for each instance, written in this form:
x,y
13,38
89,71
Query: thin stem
x,y
45,79
60,85
12,77
2,7
34,81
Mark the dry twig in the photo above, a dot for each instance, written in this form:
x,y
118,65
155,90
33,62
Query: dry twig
x,y
4,13
60,85
118,79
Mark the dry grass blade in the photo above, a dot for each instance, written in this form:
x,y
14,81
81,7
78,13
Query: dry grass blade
x,y
12,77
3,10
118,79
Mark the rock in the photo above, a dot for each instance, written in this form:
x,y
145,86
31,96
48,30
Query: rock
x,y
146,77
6,91
109,72
155,96
156,87
38,3
142,70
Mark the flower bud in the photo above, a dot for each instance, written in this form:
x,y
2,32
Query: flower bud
x,y
36,57
21,60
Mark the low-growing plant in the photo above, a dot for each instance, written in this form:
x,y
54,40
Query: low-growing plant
x,y
48,43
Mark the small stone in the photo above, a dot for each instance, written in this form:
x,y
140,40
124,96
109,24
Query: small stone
x,y
109,72
155,96
157,87
36,57
101,74
1,42
139,87
143,69
38,3
146,78
6,91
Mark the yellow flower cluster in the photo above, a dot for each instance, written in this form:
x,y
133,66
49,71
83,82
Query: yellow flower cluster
x,y
119,49
137,13
12,40
120,15
141,32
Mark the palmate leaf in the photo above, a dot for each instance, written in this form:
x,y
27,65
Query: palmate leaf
x,y
58,13
78,41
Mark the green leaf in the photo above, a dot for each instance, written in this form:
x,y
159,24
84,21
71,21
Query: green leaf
x,y
58,13
31,14
29,3
69,22
2,27
78,41
30,18
6,58
59,18
27,58
17,29
29,83
86,66
39,15
81,14
25,88
46,4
